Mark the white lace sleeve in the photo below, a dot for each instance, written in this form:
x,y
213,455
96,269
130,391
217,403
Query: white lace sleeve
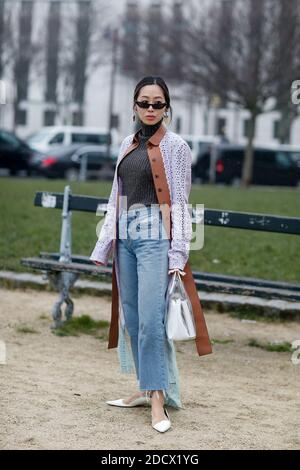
x,y
103,245
181,180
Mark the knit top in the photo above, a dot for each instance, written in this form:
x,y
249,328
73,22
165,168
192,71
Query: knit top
x,y
135,171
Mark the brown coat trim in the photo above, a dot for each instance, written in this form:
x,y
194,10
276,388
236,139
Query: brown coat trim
x,y
203,344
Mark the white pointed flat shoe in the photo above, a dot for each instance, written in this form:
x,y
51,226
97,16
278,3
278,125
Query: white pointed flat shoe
x,y
164,425
137,402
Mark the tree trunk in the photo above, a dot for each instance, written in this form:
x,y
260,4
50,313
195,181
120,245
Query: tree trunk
x,y
247,170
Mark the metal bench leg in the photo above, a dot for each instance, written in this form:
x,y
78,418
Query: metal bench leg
x,y
62,282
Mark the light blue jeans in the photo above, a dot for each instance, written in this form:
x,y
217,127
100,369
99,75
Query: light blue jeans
x,y
143,247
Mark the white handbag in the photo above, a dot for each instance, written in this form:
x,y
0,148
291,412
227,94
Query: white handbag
x,y
179,321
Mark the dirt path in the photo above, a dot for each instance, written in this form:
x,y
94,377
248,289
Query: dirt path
x,y
53,389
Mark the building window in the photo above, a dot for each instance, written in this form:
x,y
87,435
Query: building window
x,y
178,125
21,117
221,126
77,118
114,121
49,118
276,125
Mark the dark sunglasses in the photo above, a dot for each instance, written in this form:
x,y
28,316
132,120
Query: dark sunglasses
x,y
146,105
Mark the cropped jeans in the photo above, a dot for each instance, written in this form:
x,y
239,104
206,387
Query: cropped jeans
x,y
142,246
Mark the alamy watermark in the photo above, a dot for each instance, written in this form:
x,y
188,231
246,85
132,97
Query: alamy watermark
x,y
295,92
296,354
145,222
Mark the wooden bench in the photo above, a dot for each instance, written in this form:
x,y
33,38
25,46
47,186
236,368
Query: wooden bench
x,y
62,269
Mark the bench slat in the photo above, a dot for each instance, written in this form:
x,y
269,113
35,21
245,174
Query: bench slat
x,y
202,275
212,217
49,265
51,200
203,284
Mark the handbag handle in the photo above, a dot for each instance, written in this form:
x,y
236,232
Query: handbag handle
x,y
173,280
171,271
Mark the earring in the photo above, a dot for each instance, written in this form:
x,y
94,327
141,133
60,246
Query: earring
x,y
133,117
166,114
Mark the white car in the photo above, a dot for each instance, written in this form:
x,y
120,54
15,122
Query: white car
x,y
56,136
199,144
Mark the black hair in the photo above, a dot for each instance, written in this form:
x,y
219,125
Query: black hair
x,y
151,80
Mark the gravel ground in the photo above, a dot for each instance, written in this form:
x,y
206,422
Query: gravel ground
x,y
53,389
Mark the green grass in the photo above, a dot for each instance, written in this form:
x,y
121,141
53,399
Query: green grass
x,y
26,329
281,346
244,252
26,230
248,312
82,325
221,341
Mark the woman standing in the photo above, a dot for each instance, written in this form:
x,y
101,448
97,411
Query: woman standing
x,y
153,165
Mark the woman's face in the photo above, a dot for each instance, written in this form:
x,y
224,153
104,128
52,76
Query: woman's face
x,y
152,94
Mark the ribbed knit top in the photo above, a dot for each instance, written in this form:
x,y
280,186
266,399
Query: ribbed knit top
x,y
135,171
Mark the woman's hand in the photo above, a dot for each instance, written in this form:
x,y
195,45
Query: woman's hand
x,y
98,263
182,273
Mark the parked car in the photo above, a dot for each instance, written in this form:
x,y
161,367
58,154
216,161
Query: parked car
x,y
270,166
200,171
69,162
15,155
63,136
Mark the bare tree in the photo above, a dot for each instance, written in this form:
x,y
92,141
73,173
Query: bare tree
x,y
20,56
63,55
84,47
81,54
173,43
2,35
52,50
6,37
154,29
230,53
23,56
130,41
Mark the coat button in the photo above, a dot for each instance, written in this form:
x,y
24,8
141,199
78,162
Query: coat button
x,y
153,159
159,189
156,176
